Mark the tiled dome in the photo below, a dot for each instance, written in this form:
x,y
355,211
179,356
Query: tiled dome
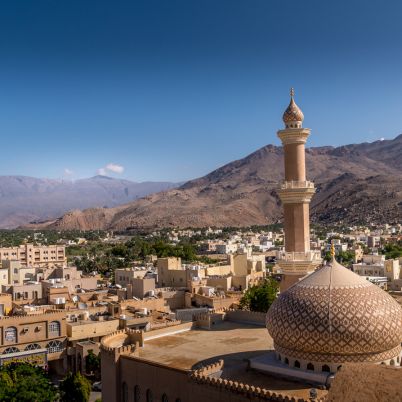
x,y
293,113
336,316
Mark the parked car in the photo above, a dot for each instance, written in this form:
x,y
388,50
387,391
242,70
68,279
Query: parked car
x,y
97,386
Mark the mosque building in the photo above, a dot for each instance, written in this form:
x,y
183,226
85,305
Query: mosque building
x,y
324,317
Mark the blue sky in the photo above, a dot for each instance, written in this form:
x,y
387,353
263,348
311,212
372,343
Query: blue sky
x,y
169,90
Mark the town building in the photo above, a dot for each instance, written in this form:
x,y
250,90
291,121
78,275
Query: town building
x,y
35,255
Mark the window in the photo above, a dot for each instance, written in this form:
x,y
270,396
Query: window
x,y
54,346
297,364
12,349
10,334
326,368
54,328
32,346
286,360
137,393
165,398
149,396
310,367
125,392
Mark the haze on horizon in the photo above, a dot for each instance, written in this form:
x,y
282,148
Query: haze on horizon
x,y
156,90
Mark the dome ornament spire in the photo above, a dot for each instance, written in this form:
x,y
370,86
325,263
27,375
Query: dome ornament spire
x,y
292,92
293,116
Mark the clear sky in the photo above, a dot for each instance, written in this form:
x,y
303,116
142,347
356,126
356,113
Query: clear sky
x,y
169,90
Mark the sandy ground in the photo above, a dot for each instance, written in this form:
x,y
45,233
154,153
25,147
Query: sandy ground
x,y
366,383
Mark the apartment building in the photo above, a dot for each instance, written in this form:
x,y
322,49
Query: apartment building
x,y
35,255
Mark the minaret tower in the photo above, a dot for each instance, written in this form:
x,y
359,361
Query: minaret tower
x,y
296,193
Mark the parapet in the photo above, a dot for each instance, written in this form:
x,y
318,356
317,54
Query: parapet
x,y
202,376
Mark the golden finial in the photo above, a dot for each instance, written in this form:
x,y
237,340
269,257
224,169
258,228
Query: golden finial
x,y
292,92
332,251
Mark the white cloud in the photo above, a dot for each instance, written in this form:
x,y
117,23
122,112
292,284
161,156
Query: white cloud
x,y
68,172
113,167
382,139
110,167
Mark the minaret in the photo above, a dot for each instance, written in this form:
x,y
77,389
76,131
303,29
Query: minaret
x,y
296,193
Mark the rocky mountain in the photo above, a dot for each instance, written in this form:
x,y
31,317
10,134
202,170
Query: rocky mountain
x,y
25,199
355,183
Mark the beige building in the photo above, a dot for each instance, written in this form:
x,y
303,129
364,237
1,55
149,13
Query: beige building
x,y
35,256
35,338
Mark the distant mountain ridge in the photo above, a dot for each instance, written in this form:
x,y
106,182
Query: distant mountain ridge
x,y
357,183
24,199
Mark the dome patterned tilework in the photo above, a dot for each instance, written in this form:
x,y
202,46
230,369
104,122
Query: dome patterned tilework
x,y
340,323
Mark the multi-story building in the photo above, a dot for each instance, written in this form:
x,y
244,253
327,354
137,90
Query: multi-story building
x,y
35,255
34,338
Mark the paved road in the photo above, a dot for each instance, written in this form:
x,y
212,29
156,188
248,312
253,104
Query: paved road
x,y
94,396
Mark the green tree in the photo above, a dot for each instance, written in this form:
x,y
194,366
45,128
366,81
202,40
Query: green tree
x,y
92,362
260,297
25,383
75,388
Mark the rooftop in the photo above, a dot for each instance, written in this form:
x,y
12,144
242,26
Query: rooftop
x,y
232,342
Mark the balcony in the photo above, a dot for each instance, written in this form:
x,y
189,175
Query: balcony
x,y
296,184
312,255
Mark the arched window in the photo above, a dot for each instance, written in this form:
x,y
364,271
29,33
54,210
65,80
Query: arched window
x,y
286,360
339,367
178,400
149,396
32,346
11,349
310,366
297,364
165,398
326,368
279,357
54,328
137,393
125,392
392,362
54,346
10,334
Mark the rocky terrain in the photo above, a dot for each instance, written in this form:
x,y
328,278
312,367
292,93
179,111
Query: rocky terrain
x,y
24,199
357,183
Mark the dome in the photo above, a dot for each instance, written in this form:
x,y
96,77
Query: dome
x,y
293,113
336,316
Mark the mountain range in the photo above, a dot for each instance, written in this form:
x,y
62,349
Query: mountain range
x,y
358,183
24,199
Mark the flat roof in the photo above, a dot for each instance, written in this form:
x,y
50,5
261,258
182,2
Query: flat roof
x,y
185,350
233,342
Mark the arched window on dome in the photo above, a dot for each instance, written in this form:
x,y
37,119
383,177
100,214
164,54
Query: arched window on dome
x,y
150,398
279,357
326,368
310,366
339,367
286,360
165,398
297,364
392,362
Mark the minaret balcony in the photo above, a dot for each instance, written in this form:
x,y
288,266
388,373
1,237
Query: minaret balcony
x,y
298,263
294,184
293,192
294,135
